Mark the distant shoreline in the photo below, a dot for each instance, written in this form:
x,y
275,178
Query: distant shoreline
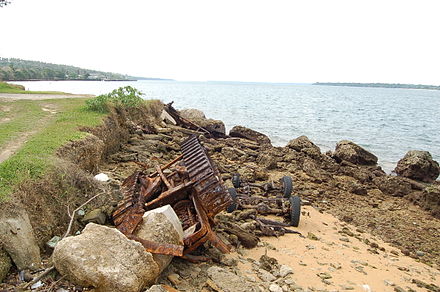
x,y
381,85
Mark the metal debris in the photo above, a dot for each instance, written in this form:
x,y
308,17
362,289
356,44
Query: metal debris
x,y
191,184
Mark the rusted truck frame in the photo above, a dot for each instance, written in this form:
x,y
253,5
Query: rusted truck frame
x,y
194,189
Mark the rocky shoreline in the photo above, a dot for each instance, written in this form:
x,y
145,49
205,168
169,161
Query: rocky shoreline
x,y
402,210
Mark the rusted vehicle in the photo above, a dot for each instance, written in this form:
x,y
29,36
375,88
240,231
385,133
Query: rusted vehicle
x,y
270,201
191,184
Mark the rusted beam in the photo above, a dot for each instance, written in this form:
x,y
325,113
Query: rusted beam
x,y
162,176
167,165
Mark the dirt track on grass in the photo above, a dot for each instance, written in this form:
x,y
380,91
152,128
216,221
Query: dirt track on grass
x,y
16,96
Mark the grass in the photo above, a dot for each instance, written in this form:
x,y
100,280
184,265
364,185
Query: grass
x,y
14,88
35,157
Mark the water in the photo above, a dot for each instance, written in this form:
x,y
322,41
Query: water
x,y
386,121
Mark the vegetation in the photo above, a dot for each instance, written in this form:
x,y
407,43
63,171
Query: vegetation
x,y
384,85
36,155
16,69
14,88
121,97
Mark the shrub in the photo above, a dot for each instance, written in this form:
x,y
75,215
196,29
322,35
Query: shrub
x,y
122,97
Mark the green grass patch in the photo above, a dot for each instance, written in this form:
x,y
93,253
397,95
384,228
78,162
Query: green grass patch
x,y
36,155
23,115
14,88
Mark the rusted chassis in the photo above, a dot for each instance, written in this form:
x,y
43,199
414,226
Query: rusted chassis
x,y
191,184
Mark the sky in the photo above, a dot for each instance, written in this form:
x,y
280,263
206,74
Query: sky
x,y
294,41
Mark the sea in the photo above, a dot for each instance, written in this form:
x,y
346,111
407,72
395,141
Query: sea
x,y
386,121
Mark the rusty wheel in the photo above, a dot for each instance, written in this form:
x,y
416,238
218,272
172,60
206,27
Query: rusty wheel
x,y
233,205
295,210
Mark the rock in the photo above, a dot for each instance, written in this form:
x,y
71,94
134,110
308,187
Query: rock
x,y
5,264
285,270
104,258
157,288
275,288
418,165
267,161
161,225
174,279
95,216
228,281
312,236
192,114
266,276
212,125
351,152
243,132
18,239
393,185
303,144
324,276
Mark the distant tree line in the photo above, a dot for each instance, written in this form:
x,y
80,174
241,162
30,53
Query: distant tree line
x,y
12,69
384,85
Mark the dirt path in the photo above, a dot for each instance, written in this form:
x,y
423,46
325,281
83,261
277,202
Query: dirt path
x,y
16,96
335,256
13,145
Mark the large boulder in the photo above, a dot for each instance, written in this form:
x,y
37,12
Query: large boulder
x,y
161,225
418,165
303,144
351,152
192,114
243,132
17,237
104,258
198,117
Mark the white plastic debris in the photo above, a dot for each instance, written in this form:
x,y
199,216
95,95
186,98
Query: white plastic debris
x,y
37,285
102,177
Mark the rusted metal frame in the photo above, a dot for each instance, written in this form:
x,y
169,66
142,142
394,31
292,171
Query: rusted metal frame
x,y
169,164
158,248
160,201
162,176
205,232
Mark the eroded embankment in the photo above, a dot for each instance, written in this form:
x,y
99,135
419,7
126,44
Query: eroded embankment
x,y
41,207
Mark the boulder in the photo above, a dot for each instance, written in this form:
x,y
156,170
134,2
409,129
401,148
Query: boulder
x,y
351,152
5,264
243,132
192,114
104,258
161,225
212,125
229,282
199,118
18,239
303,144
418,165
